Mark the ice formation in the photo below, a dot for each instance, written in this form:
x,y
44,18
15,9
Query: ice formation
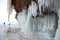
x,y
38,28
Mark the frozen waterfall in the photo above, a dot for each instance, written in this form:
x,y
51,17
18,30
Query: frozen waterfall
x,y
42,27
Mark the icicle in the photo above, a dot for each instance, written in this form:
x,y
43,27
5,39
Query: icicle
x,y
43,5
9,9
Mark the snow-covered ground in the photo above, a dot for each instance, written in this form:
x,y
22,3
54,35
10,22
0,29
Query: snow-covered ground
x,y
5,28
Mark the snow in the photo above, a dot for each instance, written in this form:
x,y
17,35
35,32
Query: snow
x,y
5,27
29,28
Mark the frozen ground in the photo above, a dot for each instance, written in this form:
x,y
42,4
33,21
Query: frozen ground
x,y
4,28
14,33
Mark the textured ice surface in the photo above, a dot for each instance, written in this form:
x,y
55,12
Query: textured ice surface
x,y
42,28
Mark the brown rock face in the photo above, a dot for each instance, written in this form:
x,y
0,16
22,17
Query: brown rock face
x,y
19,5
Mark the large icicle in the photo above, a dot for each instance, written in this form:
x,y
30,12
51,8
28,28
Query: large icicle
x,y
9,8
